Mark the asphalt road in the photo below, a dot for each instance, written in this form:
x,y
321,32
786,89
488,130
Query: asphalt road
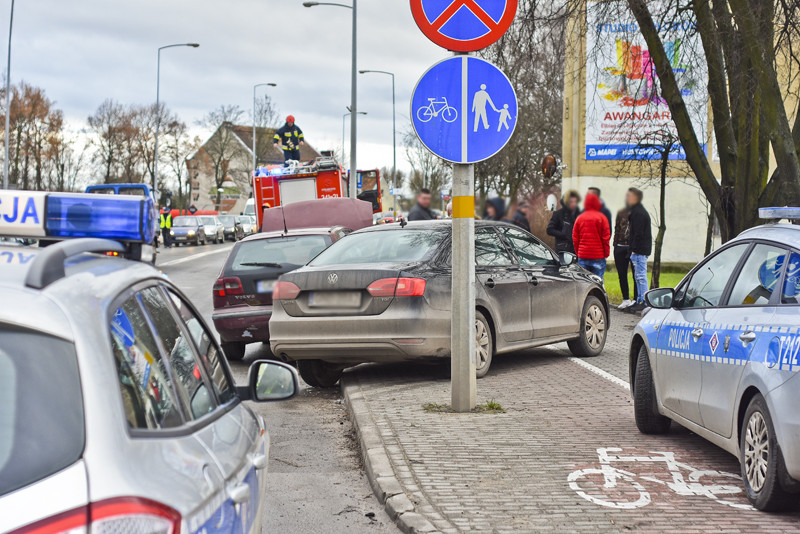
x,y
316,481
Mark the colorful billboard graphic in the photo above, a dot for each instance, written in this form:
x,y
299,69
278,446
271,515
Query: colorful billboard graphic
x,y
624,109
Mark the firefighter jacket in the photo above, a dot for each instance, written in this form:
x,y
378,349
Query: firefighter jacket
x,y
289,136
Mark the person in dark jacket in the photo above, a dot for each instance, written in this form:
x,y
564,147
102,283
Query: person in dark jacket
x,y
495,209
622,257
603,209
520,217
562,221
290,136
640,241
421,211
592,237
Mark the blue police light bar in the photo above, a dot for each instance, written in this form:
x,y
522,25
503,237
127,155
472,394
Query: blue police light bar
x,y
69,215
779,213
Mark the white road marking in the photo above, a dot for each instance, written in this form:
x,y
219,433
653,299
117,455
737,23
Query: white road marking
x,y
193,257
605,374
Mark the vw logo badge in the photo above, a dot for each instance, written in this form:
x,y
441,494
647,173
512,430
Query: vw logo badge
x,y
333,279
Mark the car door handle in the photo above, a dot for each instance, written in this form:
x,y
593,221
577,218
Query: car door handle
x,y
260,461
747,337
533,280
697,333
489,283
240,493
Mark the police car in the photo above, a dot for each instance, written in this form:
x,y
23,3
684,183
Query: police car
x,y
719,355
118,412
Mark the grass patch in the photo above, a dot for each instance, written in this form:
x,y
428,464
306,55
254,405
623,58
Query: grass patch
x,y
490,406
668,279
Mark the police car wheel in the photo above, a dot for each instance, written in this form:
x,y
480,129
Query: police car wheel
x,y
645,404
234,350
594,329
319,374
761,460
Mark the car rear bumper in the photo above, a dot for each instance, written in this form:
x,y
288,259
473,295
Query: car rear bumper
x,y
398,334
247,324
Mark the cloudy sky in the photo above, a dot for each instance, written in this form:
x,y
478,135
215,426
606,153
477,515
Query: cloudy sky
x,y
85,51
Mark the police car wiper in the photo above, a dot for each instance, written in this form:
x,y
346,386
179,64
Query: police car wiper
x,y
261,264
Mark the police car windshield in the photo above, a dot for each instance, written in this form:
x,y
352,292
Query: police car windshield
x,y
185,221
41,407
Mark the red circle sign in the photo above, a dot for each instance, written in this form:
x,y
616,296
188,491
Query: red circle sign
x,y
464,25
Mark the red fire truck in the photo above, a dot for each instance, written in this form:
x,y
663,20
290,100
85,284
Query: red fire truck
x,y
323,178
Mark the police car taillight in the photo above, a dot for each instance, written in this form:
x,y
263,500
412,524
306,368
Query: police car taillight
x,y
132,515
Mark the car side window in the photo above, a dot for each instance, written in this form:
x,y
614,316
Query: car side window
x,y
791,284
759,277
705,288
147,394
527,248
185,371
210,355
489,250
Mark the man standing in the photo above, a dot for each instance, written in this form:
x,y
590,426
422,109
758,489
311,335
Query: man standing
x,y
622,256
422,209
165,223
560,225
603,209
640,243
520,217
592,237
291,137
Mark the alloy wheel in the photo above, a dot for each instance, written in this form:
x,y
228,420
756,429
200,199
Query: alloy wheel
x,y
594,325
482,347
756,452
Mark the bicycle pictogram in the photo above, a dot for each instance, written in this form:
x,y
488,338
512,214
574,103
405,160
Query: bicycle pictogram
x,y
613,487
435,108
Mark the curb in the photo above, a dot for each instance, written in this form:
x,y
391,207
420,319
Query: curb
x,y
381,475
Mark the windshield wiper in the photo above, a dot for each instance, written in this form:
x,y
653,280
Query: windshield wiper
x,y
261,264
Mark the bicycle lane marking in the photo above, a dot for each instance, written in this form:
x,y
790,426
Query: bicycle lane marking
x,y
605,374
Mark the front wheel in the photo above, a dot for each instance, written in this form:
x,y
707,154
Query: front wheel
x,y
761,460
645,404
484,348
319,374
593,332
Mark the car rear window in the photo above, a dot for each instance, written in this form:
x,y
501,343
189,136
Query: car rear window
x,y
389,246
41,407
277,252
185,221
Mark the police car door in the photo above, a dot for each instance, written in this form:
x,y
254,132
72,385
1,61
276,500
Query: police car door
x,y
735,330
684,334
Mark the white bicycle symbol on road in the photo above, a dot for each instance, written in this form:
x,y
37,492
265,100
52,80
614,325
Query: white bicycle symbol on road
x,y
436,107
616,488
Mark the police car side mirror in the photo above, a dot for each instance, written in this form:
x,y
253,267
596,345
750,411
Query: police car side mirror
x,y
661,298
270,381
567,258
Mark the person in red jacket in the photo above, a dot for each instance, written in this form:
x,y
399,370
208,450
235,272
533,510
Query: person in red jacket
x,y
592,236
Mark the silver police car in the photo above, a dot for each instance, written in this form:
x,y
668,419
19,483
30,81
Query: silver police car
x,y
118,412
719,355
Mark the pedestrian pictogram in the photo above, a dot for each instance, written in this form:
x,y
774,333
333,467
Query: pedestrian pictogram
x,y
464,25
464,109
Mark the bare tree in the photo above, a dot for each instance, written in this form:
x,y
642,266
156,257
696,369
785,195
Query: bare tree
x,y
107,124
427,170
222,148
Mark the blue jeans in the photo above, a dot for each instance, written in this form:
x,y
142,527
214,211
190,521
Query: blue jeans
x,y
639,263
597,267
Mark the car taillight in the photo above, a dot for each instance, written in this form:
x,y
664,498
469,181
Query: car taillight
x,y
228,286
397,287
132,515
285,291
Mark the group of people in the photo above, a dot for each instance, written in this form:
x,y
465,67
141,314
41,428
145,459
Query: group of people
x,y
495,210
587,234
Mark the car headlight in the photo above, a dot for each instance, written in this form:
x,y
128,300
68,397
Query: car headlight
x,y
172,232
190,232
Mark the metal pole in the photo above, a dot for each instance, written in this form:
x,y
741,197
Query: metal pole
x,y
158,125
462,314
394,149
354,108
8,98
343,119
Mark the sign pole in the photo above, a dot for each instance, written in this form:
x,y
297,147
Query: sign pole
x,y
462,314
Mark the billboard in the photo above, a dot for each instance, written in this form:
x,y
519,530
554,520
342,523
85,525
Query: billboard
x,y
624,108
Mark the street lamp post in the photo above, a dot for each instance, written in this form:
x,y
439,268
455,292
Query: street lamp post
x,y
343,119
394,134
158,111
8,97
353,91
270,84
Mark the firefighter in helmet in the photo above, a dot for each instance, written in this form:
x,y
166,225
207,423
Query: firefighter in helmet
x,y
290,136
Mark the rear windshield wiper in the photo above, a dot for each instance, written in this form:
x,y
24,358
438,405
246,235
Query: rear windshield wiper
x,y
261,264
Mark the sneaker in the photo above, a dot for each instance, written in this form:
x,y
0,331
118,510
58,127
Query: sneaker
x,y
627,303
636,308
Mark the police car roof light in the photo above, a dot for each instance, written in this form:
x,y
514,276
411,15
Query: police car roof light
x,y
779,213
48,266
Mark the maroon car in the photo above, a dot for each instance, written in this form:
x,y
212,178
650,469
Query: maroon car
x,y
243,291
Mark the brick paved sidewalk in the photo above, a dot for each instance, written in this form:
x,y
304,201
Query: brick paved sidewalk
x,y
509,472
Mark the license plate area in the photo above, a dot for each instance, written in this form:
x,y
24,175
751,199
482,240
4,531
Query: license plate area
x,y
265,286
334,299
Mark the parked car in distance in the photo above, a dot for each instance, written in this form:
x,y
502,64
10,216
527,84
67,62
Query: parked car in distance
x,y
188,229
215,231
248,224
232,227
383,294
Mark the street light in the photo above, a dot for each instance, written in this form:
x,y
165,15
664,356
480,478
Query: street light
x,y
343,118
394,133
353,91
158,111
270,84
8,97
